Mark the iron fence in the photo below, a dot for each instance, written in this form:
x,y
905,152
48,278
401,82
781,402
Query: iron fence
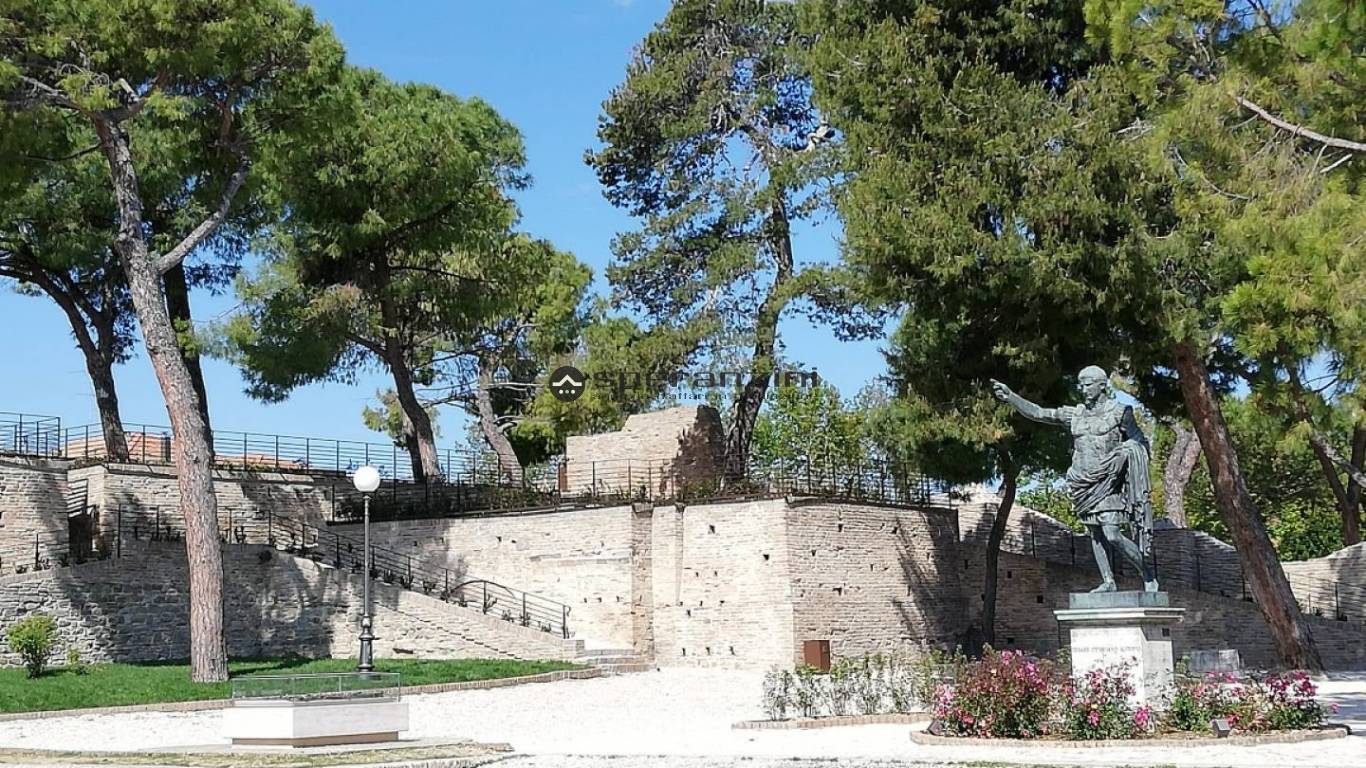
x,y
27,434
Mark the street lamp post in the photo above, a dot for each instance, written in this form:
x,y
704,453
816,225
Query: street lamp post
x,y
366,480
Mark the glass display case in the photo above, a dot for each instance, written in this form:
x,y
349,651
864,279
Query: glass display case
x,y
325,687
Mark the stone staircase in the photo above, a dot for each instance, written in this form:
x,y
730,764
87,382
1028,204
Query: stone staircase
x,y
615,661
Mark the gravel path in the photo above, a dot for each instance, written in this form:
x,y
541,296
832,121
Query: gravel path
x,y
681,718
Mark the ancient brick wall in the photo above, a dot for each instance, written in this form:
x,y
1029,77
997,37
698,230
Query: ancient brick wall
x,y
871,578
136,608
722,584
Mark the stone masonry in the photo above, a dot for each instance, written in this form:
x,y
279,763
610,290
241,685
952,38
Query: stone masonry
x,y
662,450
136,608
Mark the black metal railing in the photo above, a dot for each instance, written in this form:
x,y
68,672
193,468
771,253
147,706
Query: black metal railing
x,y
153,444
27,434
343,552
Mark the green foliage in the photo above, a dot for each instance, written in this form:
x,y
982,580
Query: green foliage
x,y
74,663
32,639
815,425
387,418
806,691
712,141
1283,477
1047,493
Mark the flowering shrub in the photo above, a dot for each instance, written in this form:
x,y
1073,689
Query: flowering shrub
x,y
1277,702
1004,694
1097,706
1272,703
1196,701
777,693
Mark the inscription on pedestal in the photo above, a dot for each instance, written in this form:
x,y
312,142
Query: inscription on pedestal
x,y
1127,632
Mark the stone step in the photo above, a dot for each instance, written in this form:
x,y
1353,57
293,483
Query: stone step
x,y
623,669
601,661
600,652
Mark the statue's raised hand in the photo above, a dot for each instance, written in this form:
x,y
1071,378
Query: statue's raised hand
x,y
1001,391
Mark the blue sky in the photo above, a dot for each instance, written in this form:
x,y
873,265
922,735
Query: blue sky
x,y
546,65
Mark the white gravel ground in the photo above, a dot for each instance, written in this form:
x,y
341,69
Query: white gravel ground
x,y
683,714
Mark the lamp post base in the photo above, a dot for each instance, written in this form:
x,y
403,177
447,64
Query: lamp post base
x,y
367,653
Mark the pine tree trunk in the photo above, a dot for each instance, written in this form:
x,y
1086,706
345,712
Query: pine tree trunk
x,y
98,351
510,466
1351,526
993,561
178,305
193,459
1289,631
107,402
426,467
1176,475
763,363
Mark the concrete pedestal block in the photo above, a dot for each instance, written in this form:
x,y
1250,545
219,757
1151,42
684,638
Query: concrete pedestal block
x,y
1133,628
312,724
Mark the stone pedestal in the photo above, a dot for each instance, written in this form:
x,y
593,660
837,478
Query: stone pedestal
x,y
1134,628
314,724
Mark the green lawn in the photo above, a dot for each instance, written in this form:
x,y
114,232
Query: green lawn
x,y
111,685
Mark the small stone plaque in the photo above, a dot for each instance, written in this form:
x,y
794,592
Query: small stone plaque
x,y
1083,600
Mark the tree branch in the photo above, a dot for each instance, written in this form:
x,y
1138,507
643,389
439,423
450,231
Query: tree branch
x,y
1299,130
210,224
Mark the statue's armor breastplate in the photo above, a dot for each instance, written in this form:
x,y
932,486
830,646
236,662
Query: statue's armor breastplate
x,y
1095,433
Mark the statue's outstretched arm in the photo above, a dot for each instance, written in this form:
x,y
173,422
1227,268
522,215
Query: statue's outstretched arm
x,y
1032,411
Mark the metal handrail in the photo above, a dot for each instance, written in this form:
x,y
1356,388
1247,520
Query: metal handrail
x,y
28,434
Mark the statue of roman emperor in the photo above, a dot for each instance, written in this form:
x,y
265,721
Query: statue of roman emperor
x,y
1108,479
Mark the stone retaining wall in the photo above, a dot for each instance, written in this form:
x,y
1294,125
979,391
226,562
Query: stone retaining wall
x,y
33,509
136,609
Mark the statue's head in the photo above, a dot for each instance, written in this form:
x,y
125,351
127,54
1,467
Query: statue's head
x,y
1094,382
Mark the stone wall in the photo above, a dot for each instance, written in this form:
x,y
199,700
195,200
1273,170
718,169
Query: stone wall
x,y
872,578
136,609
33,509
580,557
1031,589
662,450
721,585
241,494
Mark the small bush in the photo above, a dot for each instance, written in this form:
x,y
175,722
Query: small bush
x,y
777,693
1005,694
74,663
806,692
839,691
1276,703
33,639
870,684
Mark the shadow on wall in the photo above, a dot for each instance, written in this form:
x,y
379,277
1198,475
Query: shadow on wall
x,y
923,577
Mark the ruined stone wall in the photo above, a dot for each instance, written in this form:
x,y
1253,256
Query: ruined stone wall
x,y
663,451
580,557
871,578
722,585
136,608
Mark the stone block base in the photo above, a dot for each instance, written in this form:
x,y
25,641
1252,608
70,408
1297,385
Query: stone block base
x,y
1124,628
306,724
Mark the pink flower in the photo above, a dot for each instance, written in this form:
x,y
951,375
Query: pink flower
x,y
1093,718
1142,716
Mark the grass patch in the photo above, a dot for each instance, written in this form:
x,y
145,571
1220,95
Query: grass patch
x,y
113,685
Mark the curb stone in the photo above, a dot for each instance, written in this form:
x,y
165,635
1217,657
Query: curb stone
x,y
208,704
1331,731
807,723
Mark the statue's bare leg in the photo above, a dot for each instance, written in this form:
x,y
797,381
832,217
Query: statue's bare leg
x,y
1107,576
1131,553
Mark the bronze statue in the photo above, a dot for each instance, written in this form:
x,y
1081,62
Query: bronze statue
x,y
1108,479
